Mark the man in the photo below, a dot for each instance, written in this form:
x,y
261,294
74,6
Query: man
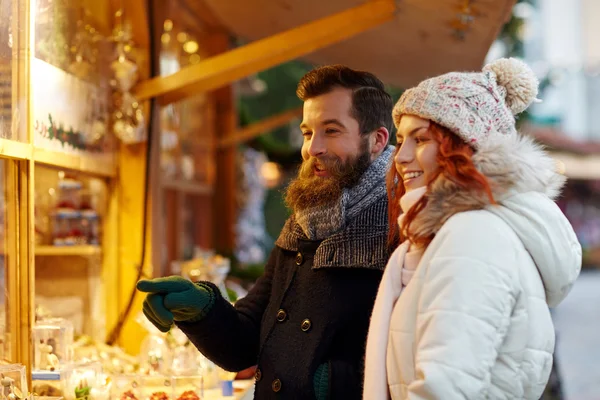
x,y
305,321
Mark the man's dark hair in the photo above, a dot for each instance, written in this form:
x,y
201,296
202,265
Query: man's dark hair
x,y
371,104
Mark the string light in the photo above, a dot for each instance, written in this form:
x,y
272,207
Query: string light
x,y
182,37
464,19
190,47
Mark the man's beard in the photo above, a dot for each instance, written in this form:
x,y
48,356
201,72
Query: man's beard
x,y
309,190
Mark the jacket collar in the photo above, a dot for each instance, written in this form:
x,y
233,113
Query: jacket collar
x,y
512,165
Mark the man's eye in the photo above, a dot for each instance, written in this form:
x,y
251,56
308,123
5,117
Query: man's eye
x,y
305,133
330,130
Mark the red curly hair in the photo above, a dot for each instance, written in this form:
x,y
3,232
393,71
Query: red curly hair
x,y
455,164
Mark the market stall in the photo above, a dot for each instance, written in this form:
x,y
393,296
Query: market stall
x,y
118,130
75,189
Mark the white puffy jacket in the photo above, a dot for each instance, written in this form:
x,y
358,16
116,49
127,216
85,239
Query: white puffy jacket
x,y
474,322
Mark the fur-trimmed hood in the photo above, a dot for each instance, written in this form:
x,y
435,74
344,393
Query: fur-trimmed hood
x,y
524,183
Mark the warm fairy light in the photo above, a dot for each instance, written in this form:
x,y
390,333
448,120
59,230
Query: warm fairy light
x,y
191,46
165,38
194,59
271,173
182,37
168,25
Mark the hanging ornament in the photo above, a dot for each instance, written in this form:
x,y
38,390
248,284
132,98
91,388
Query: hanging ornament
x,y
80,68
128,124
125,73
84,49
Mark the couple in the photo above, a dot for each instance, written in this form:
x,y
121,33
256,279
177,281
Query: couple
x,y
479,250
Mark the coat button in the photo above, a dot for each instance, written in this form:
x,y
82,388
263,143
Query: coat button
x,y
257,375
281,315
276,385
306,324
299,258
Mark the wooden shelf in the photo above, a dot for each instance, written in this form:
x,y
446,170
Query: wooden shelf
x,y
84,251
185,186
15,149
101,164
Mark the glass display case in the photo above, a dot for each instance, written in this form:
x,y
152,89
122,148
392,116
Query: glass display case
x,y
14,381
126,387
53,343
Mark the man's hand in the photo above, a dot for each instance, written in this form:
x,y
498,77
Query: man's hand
x,y
174,298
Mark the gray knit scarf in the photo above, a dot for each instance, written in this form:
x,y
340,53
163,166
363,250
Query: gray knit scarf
x,y
320,222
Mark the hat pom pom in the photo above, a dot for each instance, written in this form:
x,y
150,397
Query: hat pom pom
x,y
518,79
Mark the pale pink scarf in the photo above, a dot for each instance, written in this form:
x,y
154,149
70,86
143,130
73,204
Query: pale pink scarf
x,y
398,272
414,254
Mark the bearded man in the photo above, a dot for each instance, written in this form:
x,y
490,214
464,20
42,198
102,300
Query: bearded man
x,y
304,323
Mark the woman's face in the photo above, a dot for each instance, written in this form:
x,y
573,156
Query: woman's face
x,y
416,157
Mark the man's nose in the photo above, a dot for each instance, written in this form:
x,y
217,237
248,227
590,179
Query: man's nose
x,y
317,146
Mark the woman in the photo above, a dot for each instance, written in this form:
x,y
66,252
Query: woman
x,y
462,310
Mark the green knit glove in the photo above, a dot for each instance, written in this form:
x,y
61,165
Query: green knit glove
x,y
175,298
321,382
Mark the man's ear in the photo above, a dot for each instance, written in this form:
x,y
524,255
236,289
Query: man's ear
x,y
379,139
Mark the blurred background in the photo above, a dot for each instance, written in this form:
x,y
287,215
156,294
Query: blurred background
x,y
144,138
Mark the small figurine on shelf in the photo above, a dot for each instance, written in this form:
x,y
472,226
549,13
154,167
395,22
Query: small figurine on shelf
x,y
76,235
45,350
128,395
69,196
7,384
52,362
60,230
47,390
67,230
9,390
82,390
90,227
48,360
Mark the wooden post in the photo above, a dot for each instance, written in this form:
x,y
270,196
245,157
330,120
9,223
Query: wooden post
x,y
130,189
226,125
131,200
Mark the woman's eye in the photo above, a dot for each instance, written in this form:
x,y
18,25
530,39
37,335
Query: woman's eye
x,y
421,139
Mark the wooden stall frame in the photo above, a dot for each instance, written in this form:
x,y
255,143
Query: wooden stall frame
x,y
18,175
258,128
21,156
222,69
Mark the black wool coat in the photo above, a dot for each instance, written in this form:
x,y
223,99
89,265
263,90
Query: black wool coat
x,y
312,306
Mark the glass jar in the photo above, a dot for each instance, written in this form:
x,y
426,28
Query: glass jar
x,y
53,338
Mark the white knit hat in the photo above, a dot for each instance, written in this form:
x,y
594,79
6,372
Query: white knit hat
x,y
477,106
